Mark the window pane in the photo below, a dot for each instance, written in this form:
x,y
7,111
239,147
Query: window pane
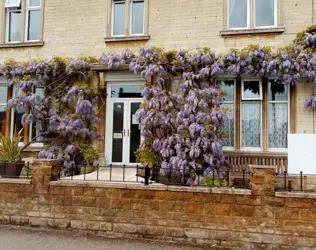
x,y
37,126
229,128
35,3
250,124
14,26
264,13
13,3
17,122
138,17
119,19
126,91
251,90
278,125
238,13
34,25
3,109
3,94
229,88
278,91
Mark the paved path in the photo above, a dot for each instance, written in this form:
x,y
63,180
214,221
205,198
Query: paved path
x,y
12,238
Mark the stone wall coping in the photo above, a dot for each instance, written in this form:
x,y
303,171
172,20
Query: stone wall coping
x,y
16,181
236,191
261,167
156,187
295,195
189,189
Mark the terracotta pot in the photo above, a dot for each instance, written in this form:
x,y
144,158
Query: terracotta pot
x,y
11,170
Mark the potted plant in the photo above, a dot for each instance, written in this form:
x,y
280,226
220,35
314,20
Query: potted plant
x,y
90,155
10,154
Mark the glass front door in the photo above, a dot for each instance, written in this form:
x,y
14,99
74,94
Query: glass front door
x,y
123,133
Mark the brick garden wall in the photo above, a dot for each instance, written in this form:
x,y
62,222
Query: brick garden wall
x,y
256,219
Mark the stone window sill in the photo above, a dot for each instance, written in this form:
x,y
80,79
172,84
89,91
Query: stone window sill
x,y
225,33
21,45
126,39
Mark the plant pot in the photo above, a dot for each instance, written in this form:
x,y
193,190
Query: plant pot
x,y
11,170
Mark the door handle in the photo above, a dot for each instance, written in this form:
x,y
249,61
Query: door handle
x,y
129,132
123,132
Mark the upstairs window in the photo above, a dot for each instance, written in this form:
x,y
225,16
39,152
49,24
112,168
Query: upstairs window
x,y
246,14
23,19
128,17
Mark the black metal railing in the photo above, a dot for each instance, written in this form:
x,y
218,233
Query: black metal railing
x,y
167,176
17,170
295,182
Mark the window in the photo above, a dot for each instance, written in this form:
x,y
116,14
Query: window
x,y
137,17
229,87
128,17
33,23
16,117
278,95
36,128
26,14
259,114
241,15
3,107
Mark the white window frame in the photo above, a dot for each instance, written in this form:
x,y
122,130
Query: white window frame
x,y
32,145
248,17
242,90
18,4
28,9
112,20
275,16
254,100
228,148
288,117
8,10
131,18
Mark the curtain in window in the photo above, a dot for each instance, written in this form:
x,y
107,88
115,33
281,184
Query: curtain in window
x,y
278,125
229,126
264,13
238,13
251,124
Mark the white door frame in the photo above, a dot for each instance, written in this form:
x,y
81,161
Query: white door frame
x,y
126,123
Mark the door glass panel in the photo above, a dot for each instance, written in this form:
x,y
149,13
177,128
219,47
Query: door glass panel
x,y
126,91
117,136
134,132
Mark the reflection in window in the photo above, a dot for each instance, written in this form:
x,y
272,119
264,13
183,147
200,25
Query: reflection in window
x,y
126,91
229,129
118,17
265,13
278,114
37,128
14,23
251,90
137,17
3,107
238,14
17,120
251,124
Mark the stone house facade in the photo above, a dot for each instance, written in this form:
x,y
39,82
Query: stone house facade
x,y
258,126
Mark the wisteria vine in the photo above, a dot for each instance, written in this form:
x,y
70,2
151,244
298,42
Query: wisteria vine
x,y
181,129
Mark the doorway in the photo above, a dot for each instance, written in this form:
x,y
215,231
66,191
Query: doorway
x,y
123,132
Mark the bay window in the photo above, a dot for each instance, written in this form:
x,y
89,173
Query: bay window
x,y
258,117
